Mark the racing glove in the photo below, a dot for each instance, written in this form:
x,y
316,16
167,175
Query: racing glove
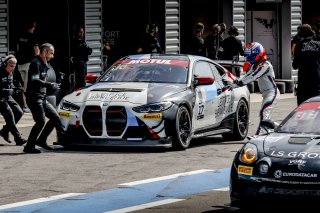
x,y
238,83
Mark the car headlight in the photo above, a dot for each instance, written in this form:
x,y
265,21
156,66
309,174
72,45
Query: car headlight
x,y
156,107
249,154
68,106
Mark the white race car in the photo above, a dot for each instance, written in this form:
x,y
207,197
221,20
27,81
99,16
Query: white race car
x,y
156,100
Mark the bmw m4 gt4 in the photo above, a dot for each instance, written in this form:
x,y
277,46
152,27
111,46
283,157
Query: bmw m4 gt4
x,y
156,100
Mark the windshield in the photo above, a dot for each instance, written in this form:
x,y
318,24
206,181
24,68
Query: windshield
x,y
147,70
305,119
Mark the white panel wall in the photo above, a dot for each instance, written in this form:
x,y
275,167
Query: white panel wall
x,y
172,42
239,18
4,31
94,34
296,15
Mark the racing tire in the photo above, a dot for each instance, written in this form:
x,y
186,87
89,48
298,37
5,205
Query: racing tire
x,y
241,123
182,127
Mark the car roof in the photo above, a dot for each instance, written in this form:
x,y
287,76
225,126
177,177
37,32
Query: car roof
x,y
180,57
314,99
168,56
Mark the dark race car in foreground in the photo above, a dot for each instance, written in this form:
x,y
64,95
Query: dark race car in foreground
x,y
281,165
156,100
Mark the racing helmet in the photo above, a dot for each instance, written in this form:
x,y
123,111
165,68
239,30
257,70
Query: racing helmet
x,y
255,52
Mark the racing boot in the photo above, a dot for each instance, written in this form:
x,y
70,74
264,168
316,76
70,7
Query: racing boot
x,y
5,135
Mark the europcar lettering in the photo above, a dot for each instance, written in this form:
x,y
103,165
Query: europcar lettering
x,y
279,174
296,174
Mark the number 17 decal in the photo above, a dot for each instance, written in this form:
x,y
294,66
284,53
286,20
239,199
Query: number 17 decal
x,y
200,111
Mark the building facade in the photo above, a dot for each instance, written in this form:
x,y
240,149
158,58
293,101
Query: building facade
x,y
272,23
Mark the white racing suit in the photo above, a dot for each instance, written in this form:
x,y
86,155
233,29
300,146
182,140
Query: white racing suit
x,y
264,74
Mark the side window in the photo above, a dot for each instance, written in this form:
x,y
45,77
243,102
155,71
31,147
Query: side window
x,y
221,71
203,68
216,72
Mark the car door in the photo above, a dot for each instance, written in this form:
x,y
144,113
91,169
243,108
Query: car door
x,y
208,98
226,104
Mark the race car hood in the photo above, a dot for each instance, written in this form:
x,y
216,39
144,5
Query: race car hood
x,y
292,146
133,92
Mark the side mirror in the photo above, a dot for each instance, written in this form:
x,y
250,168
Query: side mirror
x,y
203,81
91,78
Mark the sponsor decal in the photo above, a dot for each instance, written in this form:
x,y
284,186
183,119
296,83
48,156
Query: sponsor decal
x,y
200,114
108,96
156,61
149,61
245,170
64,114
279,174
225,106
292,192
303,155
308,106
298,162
291,182
305,115
154,116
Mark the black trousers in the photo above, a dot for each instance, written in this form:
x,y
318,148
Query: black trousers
x,y
11,112
80,71
40,109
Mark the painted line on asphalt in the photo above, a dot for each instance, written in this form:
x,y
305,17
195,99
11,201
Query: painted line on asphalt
x,y
39,200
145,206
137,194
165,177
157,203
223,189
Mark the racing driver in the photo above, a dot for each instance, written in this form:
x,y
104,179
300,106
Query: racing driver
x,y
258,68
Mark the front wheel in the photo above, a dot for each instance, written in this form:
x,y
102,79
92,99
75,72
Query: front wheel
x,y
182,133
241,123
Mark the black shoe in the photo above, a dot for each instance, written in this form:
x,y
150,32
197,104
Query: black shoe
x,y
44,145
20,141
5,136
31,150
